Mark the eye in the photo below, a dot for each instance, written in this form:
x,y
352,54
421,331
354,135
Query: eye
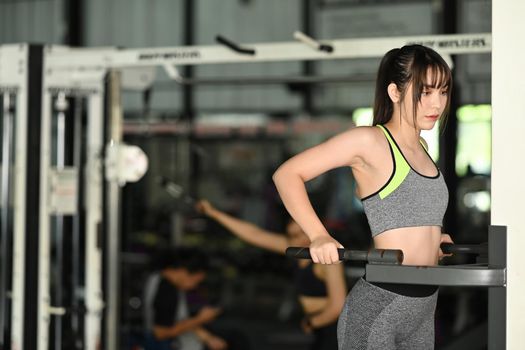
x,y
425,93
444,92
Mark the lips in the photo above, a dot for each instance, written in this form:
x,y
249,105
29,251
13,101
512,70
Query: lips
x,y
433,117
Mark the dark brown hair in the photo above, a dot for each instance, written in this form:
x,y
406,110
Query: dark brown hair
x,y
406,65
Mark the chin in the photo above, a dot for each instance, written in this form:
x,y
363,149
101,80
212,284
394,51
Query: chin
x,y
428,125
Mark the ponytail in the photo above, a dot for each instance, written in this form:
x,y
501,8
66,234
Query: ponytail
x,y
383,107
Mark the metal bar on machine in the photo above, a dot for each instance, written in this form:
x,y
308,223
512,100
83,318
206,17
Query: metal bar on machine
x,y
36,112
451,44
20,109
61,106
94,213
466,275
5,241
113,215
77,224
44,247
497,303
266,80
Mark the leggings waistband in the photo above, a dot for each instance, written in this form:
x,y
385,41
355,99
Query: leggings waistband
x,y
408,290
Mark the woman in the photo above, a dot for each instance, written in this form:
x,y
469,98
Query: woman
x,y
321,288
403,193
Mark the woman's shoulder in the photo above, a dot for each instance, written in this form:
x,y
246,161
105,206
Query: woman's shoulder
x,y
365,131
366,136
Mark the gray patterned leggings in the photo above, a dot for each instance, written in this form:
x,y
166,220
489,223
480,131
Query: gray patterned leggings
x,y
375,318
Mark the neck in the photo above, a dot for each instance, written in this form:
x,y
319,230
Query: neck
x,y
403,133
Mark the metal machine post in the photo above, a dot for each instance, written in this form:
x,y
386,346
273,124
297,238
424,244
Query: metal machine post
x,y
20,89
6,218
113,215
497,317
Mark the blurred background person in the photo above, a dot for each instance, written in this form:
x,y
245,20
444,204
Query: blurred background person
x,y
321,289
169,321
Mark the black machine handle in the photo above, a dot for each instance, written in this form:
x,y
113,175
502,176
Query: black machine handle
x,y
234,46
388,256
373,256
450,248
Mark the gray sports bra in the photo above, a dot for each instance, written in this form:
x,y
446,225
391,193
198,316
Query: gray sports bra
x,y
408,198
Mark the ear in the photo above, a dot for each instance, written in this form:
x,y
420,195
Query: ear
x,y
393,92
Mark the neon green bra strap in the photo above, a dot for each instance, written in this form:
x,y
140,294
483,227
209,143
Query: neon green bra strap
x,y
401,167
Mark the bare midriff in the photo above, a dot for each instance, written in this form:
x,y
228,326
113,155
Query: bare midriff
x,y
420,245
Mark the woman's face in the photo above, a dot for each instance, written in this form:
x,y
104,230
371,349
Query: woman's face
x,y
296,236
429,109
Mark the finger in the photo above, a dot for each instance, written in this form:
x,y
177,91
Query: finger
x,y
331,251
328,255
319,256
335,255
313,255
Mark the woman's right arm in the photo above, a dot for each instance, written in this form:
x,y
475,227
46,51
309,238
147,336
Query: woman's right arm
x,y
245,230
346,149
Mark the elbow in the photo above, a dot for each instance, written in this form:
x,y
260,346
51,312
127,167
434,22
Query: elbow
x,y
288,176
278,175
282,176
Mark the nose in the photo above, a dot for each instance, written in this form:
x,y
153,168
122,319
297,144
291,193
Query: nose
x,y
437,100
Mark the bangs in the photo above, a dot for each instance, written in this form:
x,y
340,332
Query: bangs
x,y
440,76
438,72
